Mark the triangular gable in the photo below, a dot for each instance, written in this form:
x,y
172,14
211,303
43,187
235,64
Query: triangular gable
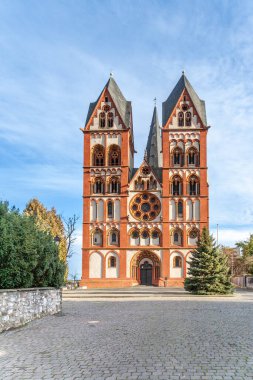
x,y
177,107
121,105
172,101
139,173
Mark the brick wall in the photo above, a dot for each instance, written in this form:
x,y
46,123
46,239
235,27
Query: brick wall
x,y
19,306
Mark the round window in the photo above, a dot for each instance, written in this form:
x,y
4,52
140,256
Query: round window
x,y
145,206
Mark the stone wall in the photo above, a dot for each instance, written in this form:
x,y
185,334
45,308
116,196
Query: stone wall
x,y
19,306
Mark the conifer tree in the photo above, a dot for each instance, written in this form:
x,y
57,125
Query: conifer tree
x,y
209,270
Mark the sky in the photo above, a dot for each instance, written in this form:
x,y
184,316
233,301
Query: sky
x,y
55,58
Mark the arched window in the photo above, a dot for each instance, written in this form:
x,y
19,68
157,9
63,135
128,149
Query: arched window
x,y
110,209
114,185
114,156
177,262
177,237
112,262
98,156
188,119
180,119
193,186
180,209
113,237
145,234
110,120
102,119
156,237
178,157
98,186
193,157
135,234
177,186
97,237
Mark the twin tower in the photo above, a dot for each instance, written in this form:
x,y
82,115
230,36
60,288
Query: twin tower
x,y
140,225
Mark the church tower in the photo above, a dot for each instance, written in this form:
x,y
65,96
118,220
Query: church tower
x,y
140,225
108,162
185,187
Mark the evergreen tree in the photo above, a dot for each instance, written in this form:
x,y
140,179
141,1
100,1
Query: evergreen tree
x,y
209,270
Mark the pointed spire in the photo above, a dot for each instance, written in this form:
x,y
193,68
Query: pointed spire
x,y
145,155
154,144
172,99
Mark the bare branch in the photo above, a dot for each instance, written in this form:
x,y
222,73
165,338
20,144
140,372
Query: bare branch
x,y
69,228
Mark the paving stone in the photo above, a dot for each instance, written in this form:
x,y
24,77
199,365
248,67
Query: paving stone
x,y
192,339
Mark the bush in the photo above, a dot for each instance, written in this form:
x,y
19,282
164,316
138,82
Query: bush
x,y
28,256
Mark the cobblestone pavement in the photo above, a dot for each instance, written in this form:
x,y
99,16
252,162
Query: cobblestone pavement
x,y
169,339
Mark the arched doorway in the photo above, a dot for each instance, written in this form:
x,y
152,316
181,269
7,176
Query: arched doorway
x,y
146,273
145,268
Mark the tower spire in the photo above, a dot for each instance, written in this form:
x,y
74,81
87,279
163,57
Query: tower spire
x,y
154,144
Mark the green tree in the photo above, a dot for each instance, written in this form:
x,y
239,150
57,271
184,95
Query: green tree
x,y
28,256
209,271
246,260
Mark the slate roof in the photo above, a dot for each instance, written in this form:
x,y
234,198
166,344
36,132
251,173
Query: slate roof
x,y
154,144
170,103
123,106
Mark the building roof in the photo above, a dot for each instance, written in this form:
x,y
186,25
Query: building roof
x,y
123,106
154,144
172,100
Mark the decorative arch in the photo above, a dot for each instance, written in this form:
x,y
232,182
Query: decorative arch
x,y
176,185
177,157
155,236
193,185
176,264
180,119
177,236
135,265
96,261
96,237
193,156
188,119
98,185
110,208
114,155
193,236
98,155
114,185
113,236
112,264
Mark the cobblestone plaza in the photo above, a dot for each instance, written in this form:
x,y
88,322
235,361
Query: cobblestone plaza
x,y
158,338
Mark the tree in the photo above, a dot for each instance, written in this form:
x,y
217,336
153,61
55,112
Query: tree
x,y
48,221
246,261
209,270
69,228
28,256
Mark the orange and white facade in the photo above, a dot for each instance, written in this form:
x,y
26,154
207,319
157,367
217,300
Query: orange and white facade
x,y
141,224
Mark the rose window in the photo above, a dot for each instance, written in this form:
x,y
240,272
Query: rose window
x,y
145,206
145,170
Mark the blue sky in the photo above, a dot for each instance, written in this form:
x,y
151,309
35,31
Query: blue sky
x,y
56,57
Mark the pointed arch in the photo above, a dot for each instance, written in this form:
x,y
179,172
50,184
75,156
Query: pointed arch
x,y
98,155
176,185
114,155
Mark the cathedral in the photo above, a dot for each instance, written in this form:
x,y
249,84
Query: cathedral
x,y
140,225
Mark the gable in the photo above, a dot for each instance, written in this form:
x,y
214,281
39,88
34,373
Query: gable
x,y
146,174
184,105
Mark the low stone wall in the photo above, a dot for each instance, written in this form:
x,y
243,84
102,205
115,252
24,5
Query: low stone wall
x,y
19,306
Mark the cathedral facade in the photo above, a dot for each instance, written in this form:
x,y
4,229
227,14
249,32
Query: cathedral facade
x,y
140,225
